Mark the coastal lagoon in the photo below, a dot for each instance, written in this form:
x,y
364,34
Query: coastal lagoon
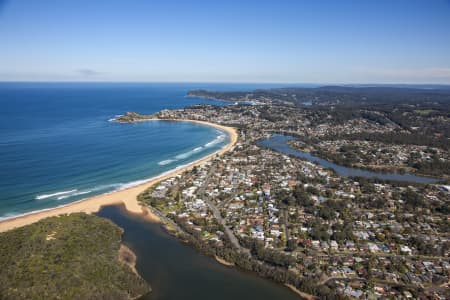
x,y
176,271
279,143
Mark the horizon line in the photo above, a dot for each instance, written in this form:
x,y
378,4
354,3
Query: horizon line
x,y
230,82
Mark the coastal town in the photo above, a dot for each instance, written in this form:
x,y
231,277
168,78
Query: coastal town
x,y
225,150
332,201
379,156
322,234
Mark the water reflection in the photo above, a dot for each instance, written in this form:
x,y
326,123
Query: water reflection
x,y
279,143
176,271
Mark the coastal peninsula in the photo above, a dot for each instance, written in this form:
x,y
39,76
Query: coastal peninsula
x,y
66,257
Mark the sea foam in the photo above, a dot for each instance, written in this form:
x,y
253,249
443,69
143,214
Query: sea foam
x,y
166,162
120,186
45,196
115,118
115,186
74,194
189,153
217,140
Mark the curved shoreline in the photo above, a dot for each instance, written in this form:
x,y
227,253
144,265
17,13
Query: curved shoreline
x,y
126,196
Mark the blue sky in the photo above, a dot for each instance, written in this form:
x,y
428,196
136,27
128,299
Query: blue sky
x,y
360,41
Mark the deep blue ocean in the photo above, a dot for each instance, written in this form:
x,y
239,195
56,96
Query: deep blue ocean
x,y
57,144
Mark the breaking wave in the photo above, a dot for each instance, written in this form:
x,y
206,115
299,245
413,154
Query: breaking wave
x,y
45,196
166,162
220,138
61,195
189,153
114,119
217,140
72,193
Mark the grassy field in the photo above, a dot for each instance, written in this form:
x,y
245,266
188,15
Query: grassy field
x,y
424,112
68,257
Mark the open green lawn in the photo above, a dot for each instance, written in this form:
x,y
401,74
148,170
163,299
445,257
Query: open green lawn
x,y
424,112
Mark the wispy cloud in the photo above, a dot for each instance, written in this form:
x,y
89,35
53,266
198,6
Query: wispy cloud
x,y
88,72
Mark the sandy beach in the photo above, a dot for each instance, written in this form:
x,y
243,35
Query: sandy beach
x,y
127,196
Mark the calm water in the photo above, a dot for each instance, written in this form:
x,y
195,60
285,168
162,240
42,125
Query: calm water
x,y
57,145
278,143
176,271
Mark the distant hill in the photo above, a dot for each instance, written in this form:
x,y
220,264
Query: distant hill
x,y
335,95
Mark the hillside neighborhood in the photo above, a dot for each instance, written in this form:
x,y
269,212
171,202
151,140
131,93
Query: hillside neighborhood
x,y
359,237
